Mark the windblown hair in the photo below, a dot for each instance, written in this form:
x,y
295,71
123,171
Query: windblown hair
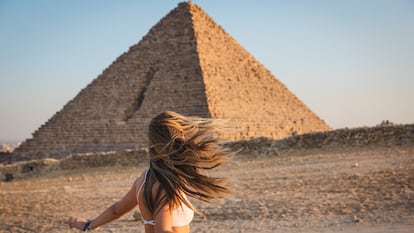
x,y
181,148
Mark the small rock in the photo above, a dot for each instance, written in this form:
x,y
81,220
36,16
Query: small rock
x,y
68,189
136,215
356,219
9,177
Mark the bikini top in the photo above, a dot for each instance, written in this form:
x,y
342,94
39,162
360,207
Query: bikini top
x,y
181,216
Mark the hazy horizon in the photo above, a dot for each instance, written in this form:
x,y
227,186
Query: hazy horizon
x,y
351,62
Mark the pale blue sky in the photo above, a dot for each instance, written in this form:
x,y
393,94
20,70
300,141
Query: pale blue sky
x,y
351,62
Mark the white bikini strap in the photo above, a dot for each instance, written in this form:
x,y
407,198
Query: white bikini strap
x,y
148,222
142,185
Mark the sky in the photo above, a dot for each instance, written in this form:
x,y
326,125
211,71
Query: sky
x,y
351,62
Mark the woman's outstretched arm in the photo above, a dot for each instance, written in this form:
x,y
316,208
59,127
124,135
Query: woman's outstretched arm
x,y
115,211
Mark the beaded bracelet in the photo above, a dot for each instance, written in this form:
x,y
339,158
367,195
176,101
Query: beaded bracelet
x,y
86,226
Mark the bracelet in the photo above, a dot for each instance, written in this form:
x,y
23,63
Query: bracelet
x,y
86,226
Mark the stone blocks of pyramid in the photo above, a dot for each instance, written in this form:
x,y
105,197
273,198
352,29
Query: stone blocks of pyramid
x,y
188,64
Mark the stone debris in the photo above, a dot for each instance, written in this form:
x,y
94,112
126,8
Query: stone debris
x,y
261,147
380,135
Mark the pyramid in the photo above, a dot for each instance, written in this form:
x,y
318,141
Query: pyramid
x,y
188,64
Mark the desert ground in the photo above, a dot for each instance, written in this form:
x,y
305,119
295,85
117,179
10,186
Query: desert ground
x,y
347,189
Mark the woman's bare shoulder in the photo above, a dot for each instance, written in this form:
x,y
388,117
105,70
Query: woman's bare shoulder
x,y
141,179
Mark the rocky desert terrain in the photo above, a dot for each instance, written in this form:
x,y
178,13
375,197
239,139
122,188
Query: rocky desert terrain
x,y
330,188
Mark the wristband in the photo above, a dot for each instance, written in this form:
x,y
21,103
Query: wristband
x,y
86,226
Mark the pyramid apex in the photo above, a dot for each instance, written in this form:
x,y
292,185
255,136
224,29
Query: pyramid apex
x,y
186,3
189,4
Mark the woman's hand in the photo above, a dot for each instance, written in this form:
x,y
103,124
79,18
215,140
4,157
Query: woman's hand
x,y
76,222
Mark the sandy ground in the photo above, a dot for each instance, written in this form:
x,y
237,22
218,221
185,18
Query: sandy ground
x,y
344,190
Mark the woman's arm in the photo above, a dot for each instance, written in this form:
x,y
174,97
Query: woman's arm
x,y
126,204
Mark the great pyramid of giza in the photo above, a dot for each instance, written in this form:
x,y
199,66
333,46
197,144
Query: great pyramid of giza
x,y
188,64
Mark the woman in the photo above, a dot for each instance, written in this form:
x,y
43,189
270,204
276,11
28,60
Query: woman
x,y
180,149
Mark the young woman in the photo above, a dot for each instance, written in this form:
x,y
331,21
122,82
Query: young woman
x,y
180,149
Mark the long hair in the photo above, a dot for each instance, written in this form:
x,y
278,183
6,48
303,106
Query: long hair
x,y
181,148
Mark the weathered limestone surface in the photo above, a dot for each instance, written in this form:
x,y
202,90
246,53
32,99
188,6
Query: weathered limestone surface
x,y
188,64
242,89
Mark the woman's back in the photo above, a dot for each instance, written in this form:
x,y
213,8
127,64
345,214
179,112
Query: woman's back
x,y
181,216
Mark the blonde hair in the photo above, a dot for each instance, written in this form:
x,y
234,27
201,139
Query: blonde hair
x,y
180,149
